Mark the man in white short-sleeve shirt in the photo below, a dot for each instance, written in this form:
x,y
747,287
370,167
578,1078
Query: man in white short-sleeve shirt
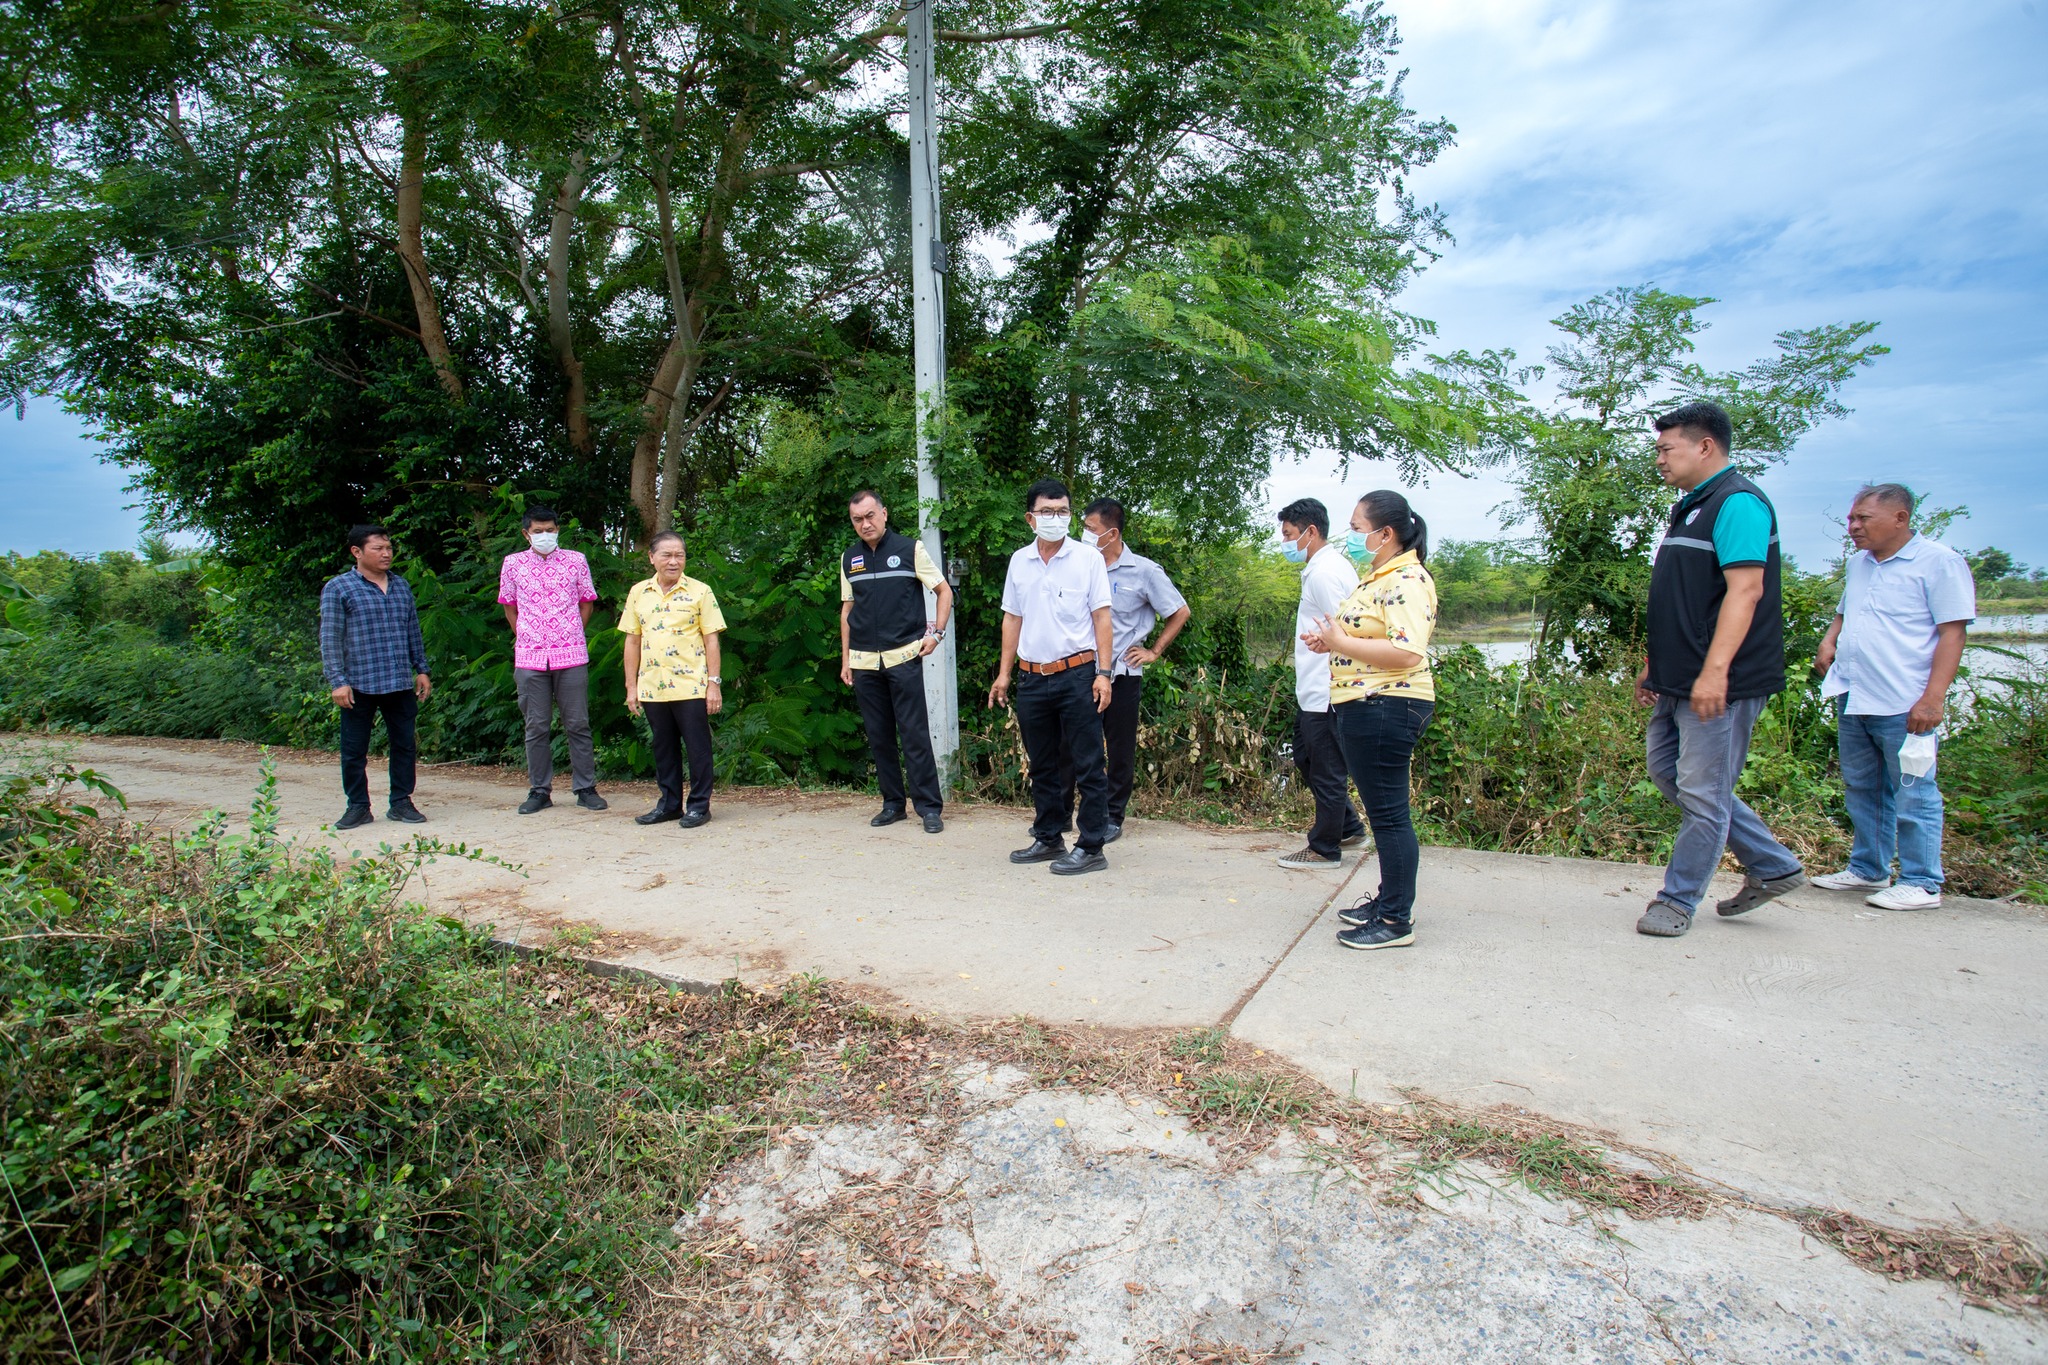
x,y
1890,655
1056,629
1327,578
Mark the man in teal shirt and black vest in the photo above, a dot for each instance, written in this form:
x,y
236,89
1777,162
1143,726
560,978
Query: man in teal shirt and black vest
x,y
884,634
1716,656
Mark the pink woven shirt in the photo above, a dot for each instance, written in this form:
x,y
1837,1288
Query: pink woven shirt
x,y
548,592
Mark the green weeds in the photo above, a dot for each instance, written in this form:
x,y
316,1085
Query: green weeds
x,y
256,1107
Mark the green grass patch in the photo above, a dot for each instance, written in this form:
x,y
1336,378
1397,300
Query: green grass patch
x,y
256,1106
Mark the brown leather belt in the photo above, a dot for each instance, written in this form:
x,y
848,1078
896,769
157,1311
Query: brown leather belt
x,y
1086,656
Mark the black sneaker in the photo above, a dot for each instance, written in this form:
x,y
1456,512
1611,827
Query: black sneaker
x,y
1378,934
407,812
1354,840
888,815
537,799
590,800
1365,912
1041,850
693,818
354,816
659,815
1076,861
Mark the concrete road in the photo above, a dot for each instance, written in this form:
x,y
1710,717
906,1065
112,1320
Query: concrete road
x,y
1817,1051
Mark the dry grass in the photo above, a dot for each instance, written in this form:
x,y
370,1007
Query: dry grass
x,y
863,1062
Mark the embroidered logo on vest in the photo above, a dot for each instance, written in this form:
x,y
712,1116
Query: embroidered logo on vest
x,y
895,560
859,563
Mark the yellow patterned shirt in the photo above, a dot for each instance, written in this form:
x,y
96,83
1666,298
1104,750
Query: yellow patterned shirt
x,y
1395,603
671,626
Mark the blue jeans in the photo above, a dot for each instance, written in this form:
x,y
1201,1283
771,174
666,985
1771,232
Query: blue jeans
x,y
1378,737
1891,814
1695,763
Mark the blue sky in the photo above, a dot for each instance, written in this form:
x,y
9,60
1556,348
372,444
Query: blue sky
x,y
1820,162
1807,163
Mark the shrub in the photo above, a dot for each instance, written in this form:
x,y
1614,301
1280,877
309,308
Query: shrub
x,y
255,1107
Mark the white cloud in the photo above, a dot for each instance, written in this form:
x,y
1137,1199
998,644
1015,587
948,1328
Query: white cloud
x,y
1804,164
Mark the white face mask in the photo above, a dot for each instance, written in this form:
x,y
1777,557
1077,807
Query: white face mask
x,y
544,542
1091,539
1052,525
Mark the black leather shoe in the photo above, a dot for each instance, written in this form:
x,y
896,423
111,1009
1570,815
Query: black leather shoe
x,y
1080,860
536,800
1041,851
658,815
888,815
933,824
1116,832
590,800
354,816
692,819
406,811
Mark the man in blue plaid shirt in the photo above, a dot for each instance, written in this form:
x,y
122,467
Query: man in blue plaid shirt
x,y
374,658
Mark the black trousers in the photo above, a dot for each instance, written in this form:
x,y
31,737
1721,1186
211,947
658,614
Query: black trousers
x,y
1378,734
1319,758
1120,749
401,711
679,728
891,709
1059,721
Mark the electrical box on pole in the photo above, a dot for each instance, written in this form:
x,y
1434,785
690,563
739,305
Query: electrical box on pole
x,y
928,264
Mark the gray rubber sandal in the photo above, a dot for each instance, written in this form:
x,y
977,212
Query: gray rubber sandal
x,y
1755,893
1662,919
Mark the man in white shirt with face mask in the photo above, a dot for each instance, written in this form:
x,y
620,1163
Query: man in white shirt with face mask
x,y
1056,628
1327,578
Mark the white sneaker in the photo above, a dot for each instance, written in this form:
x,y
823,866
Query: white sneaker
x,y
1847,880
1903,897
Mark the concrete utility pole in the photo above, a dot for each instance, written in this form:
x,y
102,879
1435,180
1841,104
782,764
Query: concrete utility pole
x,y
928,266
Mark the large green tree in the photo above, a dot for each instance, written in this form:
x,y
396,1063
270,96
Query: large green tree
x,y
1586,480
308,261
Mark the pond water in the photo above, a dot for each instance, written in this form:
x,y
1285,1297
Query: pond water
x,y
2003,660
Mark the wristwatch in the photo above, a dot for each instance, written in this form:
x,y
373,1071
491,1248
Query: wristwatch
x,y
713,679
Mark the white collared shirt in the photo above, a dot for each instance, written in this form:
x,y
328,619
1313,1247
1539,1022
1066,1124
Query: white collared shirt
x,y
1057,599
1891,609
1326,580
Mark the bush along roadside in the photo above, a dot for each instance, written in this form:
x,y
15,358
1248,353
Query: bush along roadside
x,y
255,1106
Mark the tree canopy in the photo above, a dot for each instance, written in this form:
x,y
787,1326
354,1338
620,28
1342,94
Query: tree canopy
x,y
314,261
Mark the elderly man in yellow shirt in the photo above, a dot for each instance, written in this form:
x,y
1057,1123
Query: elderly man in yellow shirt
x,y
671,623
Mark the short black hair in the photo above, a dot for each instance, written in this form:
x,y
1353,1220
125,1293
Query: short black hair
x,y
660,536
1109,509
1305,512
1890,494
863,495
538,512
1704,418
1050,489
359,536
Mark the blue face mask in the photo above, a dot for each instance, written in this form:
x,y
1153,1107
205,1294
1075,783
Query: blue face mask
x,y
1295,554
1356,548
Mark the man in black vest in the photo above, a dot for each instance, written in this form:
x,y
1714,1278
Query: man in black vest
x,y
884,635
1717,655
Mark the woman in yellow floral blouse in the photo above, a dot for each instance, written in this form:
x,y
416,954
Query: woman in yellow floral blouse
x,y
1382,694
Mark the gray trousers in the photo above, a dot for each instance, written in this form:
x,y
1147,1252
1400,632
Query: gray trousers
x,y
539,694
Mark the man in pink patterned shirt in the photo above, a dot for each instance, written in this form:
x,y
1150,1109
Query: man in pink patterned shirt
x,y
548,596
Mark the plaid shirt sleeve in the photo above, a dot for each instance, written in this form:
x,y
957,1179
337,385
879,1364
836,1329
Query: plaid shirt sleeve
x,y
416,642
333,634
